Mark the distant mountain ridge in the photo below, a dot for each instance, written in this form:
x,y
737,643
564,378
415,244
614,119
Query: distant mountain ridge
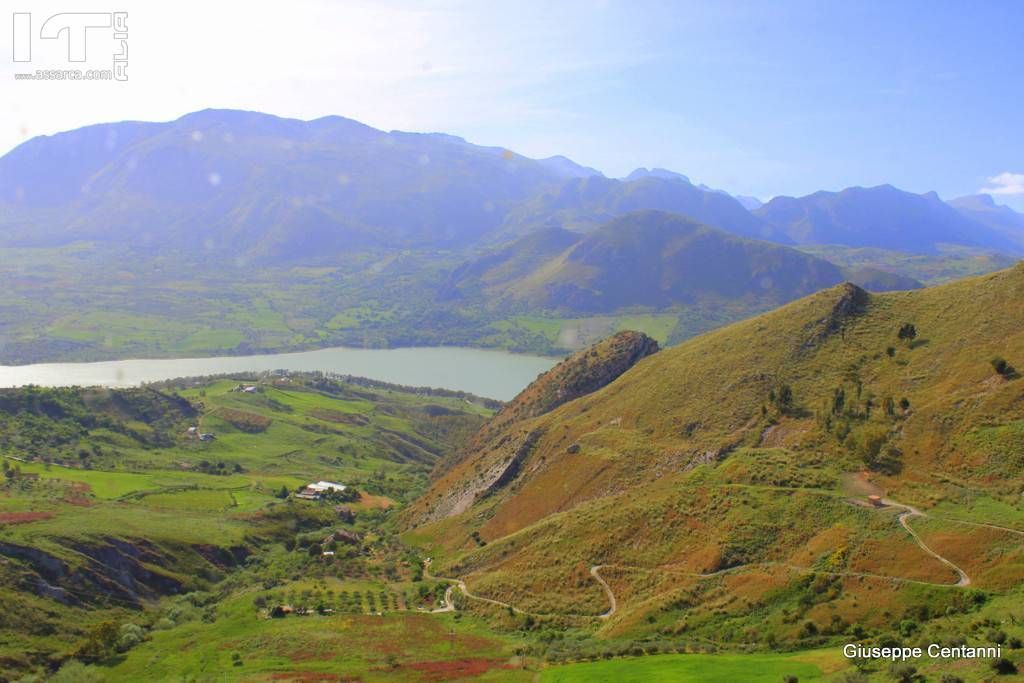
x,y
883,217
277,190
583,204
270,187
651,259
983,209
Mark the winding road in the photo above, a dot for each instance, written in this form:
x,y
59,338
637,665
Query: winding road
x,y
614,605
910,511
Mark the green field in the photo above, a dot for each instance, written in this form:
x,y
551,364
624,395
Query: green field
x,y
722,668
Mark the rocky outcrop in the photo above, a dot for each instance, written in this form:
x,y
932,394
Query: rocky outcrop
x,y
851,302
494,458
582,373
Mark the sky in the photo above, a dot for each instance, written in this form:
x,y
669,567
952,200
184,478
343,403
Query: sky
x,y
757,98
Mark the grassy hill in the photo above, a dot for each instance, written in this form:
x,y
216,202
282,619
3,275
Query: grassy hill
x,y
112,512
720,487
649,260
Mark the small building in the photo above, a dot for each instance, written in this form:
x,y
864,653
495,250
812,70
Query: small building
x,y
876,501
317,489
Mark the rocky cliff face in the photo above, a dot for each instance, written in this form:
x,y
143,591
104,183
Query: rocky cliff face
x,y
495,455
128,572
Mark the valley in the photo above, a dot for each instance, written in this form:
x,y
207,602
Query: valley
x,y
748,435
281,235
704,507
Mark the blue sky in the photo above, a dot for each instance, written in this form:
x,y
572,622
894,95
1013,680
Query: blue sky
x,y
759,98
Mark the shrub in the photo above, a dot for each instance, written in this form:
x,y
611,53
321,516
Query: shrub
x,y
76,672
1002,367
130,636
996,636
1004,666
903,672
907,333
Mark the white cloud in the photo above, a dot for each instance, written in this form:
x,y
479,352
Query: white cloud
x,y
1005,183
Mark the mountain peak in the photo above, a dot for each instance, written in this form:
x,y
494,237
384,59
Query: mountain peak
x,y
975,201
567,168
663,173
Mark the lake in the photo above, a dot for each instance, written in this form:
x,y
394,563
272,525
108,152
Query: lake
x,y
494,374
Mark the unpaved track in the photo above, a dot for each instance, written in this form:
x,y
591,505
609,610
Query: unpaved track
x,y
910,511
614,605
904,517
449,603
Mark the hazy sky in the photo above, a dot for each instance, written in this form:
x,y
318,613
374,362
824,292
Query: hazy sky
x,y
756,98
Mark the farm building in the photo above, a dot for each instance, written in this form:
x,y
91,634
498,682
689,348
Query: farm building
x,y
316,490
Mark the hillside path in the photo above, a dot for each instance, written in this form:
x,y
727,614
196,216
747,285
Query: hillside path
x,y
607,589
910,511
449,603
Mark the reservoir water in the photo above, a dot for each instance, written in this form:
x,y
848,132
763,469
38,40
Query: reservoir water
x,y
494,374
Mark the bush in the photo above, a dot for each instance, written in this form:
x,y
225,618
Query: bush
x,y
1004,666
130,636
996,636
1002,367
76,672
903,672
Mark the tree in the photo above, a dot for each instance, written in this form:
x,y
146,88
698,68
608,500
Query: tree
x,y
890,406
783,398
838,401
283,493
907,333
1002,367
99,643
1004,666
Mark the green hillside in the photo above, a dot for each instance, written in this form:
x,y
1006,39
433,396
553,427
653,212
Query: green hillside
x,y
719,489
120,526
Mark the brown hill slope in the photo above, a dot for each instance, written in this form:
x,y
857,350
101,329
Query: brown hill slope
x,y
739,457
496,451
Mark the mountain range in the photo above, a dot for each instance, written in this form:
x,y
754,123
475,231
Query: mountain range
x,y
282,189
346,234
884,217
